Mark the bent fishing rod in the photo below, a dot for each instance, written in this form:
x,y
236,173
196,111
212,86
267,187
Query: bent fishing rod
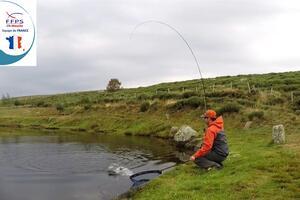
x,y
187,44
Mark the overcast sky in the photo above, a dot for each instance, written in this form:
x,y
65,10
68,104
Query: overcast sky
x,y
83,43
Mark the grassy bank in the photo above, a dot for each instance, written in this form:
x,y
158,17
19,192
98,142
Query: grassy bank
x,y
255,169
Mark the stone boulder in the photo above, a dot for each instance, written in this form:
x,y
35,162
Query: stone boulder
x,y
278,134
184,135
248,124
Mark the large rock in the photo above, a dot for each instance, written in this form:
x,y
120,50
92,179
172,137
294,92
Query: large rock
x,y
184,134
278,134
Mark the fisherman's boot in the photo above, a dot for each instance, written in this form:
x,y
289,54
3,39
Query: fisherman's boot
x,y
215,166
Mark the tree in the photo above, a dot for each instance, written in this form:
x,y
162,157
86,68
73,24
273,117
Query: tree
x,y
113,85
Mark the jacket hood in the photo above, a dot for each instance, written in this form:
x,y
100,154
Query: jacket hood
x,y
219,123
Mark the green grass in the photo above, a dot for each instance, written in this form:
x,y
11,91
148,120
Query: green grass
x,y
269,89
255,169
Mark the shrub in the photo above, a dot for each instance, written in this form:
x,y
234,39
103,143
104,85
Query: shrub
x,y
246,102
111,100
87,106
165,96
145,106
229,108
272,100
143,97
233,93
85,100
296,104
18,103
256,114
131,101
41,104
108,100
60,107
188,94
94,126
288,81
192,102
253,91
154,105
288,88
178,105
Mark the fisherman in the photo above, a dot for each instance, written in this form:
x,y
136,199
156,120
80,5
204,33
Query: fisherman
x,y
214,148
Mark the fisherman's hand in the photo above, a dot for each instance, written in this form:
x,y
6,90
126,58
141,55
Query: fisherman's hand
x,y
192,158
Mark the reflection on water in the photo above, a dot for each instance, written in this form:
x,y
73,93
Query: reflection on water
x,y
76,166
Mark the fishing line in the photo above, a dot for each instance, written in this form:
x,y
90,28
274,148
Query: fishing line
x,y
185,41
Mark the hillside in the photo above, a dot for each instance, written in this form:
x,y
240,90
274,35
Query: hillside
x,y
164,105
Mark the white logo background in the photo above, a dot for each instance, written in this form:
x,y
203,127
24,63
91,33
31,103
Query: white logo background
x,y
30,6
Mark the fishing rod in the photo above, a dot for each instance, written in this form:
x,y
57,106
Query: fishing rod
x,y
187,44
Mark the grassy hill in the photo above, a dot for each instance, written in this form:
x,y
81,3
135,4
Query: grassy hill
x,y
162,105
255,169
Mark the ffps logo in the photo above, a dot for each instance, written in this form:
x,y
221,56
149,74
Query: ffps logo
x,y
14,20
17,33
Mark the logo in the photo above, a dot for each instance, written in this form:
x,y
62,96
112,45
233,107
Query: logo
x,y
17,34
14,20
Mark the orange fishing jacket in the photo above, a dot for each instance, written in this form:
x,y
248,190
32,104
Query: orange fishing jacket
x,y
209,137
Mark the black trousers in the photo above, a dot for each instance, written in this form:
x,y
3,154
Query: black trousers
x,y
211,159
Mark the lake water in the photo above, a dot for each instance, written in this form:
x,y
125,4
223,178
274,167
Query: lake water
x,y
71,167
